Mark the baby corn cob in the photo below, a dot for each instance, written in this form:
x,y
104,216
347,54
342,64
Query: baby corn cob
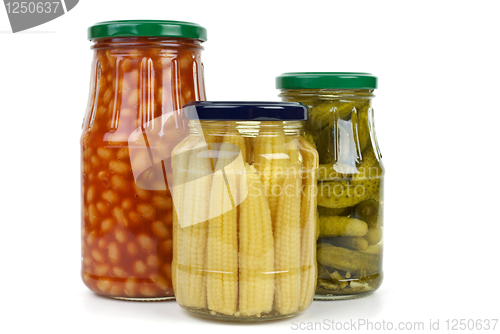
x,y
292,147
287,256
271,159
180,160
236,139
193,230
309,138
238,165
307,224
256,249
222,252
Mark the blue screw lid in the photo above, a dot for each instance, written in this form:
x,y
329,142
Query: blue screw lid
x,y
245,111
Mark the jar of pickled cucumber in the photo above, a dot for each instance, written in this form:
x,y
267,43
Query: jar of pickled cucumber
x,y
244,195
142,74
350,178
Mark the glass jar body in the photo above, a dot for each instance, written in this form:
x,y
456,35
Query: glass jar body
x,y
244,232
138,87
350,190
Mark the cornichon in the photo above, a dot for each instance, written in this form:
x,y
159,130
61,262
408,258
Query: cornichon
x,y
337,226
368,212
343,194
368,170
322,115
374,235
329,172
360,126
354,243
374,249
333,212
328,153
348,260
362,186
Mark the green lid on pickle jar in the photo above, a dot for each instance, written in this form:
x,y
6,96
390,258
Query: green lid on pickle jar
x,y
326,80
147,28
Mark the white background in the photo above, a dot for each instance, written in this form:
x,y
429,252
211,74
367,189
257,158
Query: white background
x,y
437,116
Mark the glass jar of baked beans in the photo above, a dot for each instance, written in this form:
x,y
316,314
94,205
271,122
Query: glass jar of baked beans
x,y
143,72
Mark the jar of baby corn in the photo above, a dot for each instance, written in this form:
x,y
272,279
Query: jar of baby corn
x,y
244,189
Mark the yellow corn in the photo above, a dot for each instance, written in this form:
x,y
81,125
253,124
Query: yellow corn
x,y
236,139
222,251
180,160
271,159
308,215
256,249
193,229
309,137
287,244
244,239
292,148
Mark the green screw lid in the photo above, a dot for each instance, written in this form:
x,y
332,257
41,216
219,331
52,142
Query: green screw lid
x,y
150,28
326,80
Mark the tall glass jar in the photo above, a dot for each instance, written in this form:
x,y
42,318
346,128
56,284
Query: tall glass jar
x,y
350,179
244,191
142,74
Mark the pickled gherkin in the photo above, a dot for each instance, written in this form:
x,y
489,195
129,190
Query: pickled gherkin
x,y
363,185
350,179
323,114
333,212
374,235
368,212
348,260
354,243
337,226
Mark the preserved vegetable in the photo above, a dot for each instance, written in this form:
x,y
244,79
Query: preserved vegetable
x,y
245,238
350,179
138,86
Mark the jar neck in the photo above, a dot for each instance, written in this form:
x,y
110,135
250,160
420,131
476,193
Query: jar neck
x,y
147,42
136,80
327,94
246,128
